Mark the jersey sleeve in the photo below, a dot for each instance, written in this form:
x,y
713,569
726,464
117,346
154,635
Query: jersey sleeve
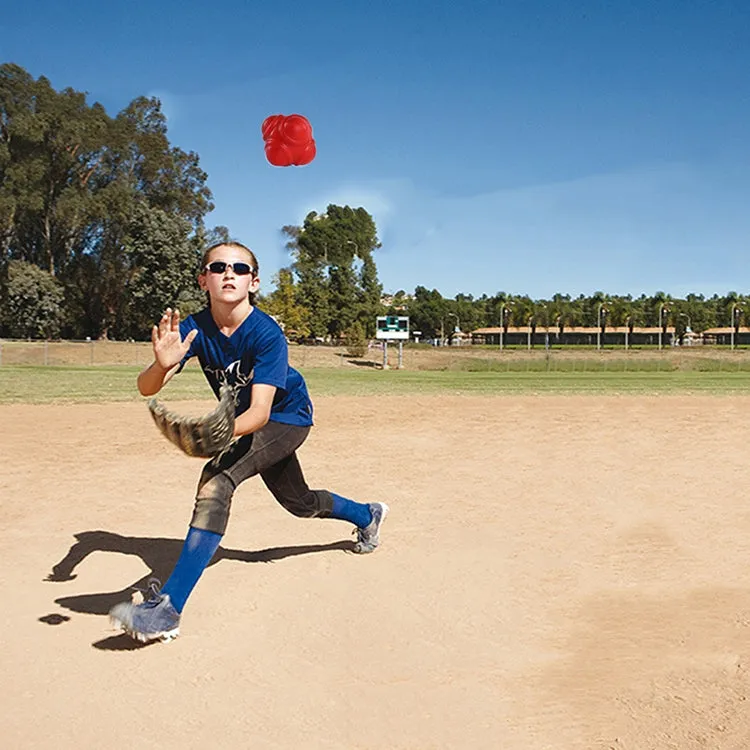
x,y
271,361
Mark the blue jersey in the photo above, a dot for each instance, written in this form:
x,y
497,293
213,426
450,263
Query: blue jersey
x,y
255,353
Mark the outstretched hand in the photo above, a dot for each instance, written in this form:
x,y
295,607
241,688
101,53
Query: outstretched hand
x,y
169,348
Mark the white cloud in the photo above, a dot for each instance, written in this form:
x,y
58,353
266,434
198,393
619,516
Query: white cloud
x,y
373,198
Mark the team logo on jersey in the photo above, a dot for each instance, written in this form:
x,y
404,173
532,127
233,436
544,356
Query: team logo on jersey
x,y
233,375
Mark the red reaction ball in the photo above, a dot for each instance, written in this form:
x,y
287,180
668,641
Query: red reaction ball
x,y
278,153
270,125
306,155
296,129
288,140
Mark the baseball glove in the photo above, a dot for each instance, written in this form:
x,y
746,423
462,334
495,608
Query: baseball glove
x,y
202,437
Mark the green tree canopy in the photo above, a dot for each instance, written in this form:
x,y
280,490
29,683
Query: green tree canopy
x,y
72,179
32,301
283,304
336,272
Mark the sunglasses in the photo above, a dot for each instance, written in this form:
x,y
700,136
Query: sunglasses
x,y
219,266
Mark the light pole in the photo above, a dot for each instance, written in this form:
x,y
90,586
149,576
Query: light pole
x,y
504,313
735,319
545,312
662,309
546,328
528,335
627,330
599,324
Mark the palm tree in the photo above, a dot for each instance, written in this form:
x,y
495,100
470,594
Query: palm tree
x,y
577,311
619,308
560,310
522,308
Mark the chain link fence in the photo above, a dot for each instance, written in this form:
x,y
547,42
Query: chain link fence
x,y
415,357
97,353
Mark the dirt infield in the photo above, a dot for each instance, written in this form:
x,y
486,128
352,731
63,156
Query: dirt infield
x,y
567,572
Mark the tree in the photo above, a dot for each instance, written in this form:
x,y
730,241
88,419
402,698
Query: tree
x,y
356,341
619,309
468,314
283,304
53,145
494,307
522,310
729,310
71,178
205,238
427,312
337,275
32,302
161,264
560,311
370,294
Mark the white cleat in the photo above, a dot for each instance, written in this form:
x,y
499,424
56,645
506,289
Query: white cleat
x,y
368,538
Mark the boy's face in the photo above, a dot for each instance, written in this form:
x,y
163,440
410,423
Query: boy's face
x,y
228,286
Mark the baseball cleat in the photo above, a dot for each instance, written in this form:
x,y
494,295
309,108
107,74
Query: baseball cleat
x,y
368,538
154,619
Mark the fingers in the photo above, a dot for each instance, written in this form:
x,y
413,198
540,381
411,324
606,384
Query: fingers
x,y
189,340
170,321
164,322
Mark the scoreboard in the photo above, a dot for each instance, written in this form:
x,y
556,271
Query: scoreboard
x,y
392,327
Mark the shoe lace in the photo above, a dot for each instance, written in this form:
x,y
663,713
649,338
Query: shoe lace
x,y
151,595
361,534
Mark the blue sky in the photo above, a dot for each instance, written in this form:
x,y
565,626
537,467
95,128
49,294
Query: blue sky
x,y
521,146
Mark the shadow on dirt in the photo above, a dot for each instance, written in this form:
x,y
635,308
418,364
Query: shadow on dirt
x,y
160,556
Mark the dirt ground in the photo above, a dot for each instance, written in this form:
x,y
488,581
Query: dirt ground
x,y
567,572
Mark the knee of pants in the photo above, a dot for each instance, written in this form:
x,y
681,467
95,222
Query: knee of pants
x,y
310,504
212,504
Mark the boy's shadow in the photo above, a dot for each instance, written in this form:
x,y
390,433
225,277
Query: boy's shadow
x,y
160,555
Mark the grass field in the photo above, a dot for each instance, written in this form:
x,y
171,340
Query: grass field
x,y
27,384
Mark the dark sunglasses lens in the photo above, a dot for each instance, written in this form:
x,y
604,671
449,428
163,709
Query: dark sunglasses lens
x,y
219,266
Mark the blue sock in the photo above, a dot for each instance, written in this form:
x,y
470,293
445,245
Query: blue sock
x,y
347,510
197,551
